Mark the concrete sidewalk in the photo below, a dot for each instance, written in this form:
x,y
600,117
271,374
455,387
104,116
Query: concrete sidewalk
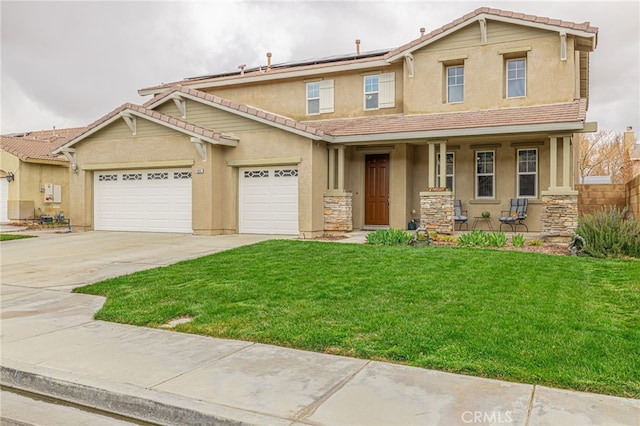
x,y
52,346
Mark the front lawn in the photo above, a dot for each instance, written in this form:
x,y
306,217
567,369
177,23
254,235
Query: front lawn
x,y
553,320
9,237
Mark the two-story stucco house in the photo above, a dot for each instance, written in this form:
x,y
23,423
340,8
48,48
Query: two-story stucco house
x,y
482,110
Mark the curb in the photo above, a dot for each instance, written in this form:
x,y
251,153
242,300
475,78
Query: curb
x,y
130,401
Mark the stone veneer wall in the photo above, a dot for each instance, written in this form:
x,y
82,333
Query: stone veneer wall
x,y
559,216
436,212
338,212
593,197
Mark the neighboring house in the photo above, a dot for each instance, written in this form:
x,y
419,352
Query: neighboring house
x,y
33,180
353,141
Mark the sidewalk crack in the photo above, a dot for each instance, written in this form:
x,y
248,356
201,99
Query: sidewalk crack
x,y
310,409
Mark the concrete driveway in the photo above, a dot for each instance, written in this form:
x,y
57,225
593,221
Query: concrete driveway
x,y
65,261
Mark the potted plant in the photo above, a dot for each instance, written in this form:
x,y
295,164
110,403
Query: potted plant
x,y
485,214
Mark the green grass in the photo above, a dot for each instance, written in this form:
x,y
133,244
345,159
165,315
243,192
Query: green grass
x,y
567,322
9,237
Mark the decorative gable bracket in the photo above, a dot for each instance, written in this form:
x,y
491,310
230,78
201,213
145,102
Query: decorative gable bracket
x,y
70,155
483,30
409,60
181,104
200,147
563,46
131,122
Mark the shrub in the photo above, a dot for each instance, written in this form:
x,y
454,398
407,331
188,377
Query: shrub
x,y
482,239
608,233
497,239
517,240
389,237
448,239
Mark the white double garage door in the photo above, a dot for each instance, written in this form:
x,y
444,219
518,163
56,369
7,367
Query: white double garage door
x,y
161,200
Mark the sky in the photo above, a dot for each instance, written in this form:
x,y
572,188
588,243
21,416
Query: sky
x,y
66,64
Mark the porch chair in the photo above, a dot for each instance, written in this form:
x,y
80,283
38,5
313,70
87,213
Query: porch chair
x,y
516,215
459,215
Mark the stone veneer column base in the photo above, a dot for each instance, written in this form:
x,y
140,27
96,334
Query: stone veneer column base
x,y
338,212
559,217
436,212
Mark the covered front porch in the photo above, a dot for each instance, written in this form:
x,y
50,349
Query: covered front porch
x,y
373,186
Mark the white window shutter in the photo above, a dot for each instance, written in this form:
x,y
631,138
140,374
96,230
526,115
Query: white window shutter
x,y
387,90
326,96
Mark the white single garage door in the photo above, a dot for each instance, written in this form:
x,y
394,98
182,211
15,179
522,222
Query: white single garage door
x,y
268,200
4,196
143,200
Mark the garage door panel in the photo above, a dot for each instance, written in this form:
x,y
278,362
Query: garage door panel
x,y
268,200
143,200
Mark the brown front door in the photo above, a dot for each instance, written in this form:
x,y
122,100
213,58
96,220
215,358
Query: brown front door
x,y
376,190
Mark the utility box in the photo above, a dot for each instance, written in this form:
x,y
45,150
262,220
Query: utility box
x,y
52,193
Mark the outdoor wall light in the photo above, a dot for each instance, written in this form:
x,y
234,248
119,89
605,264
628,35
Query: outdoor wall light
x,y
10,177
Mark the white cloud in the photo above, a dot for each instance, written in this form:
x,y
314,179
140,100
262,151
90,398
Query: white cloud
x,y
72,62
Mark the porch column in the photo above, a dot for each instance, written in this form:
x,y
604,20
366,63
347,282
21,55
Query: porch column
x,y
340,168
553,163
332,168
559,216
566,162
443,164
432,165
338,204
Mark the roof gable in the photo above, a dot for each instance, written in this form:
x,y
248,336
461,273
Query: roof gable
x,y
128,112
247,111
482,15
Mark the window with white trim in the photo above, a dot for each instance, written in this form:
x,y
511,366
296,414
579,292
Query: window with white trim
x,y
319,97
485,174
379,91
455,84
527,173
450,181
516,77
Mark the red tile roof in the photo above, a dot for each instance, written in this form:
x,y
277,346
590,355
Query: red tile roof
x,y
29,149
400,123
180,124
38,145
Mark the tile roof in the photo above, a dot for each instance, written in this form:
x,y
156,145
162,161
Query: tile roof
x,y
257,113
400,123
175,122
28,149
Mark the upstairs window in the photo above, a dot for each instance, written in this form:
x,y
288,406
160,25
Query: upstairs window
x,y
485,174
450,172
379,91
516,78
319,97
527,173
455,84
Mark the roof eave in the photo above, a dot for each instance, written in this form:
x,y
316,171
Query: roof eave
x,y
570,126
266,76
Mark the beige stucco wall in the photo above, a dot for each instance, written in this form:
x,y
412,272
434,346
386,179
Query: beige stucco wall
x,y
484,72
215,191
25,197
348,94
